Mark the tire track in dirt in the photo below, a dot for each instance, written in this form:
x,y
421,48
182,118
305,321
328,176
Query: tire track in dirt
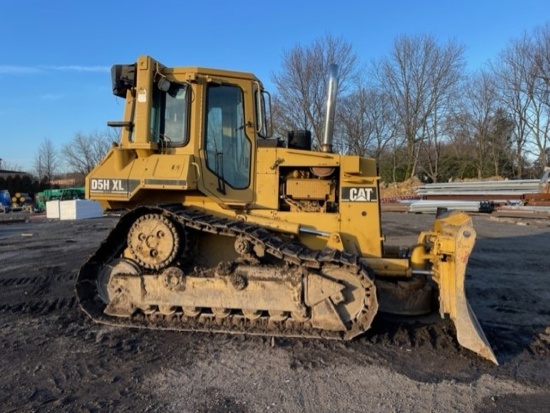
x,y
40,294
39,279
42,307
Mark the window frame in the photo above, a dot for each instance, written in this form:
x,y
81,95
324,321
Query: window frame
x,y
213,161
159,113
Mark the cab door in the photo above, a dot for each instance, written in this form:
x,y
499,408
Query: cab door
x,y
227,148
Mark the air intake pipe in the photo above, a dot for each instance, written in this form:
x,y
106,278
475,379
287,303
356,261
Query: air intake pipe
x,y
326,145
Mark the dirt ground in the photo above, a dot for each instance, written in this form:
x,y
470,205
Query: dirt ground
x,y
53,358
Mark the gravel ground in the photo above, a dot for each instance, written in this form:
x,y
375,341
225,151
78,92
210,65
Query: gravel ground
x,y
56,359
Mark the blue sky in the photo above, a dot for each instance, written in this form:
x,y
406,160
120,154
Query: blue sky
x,y
55,55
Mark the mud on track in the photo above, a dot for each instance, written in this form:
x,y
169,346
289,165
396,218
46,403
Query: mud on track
x,y
55,359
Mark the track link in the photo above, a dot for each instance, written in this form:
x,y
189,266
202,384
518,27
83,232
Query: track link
x,y
291,252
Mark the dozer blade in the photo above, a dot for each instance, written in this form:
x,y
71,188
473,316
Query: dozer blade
x,y
449,247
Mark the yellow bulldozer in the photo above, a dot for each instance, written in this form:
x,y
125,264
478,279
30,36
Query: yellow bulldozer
x,y
231,230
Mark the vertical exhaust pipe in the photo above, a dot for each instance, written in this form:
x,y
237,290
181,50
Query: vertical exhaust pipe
x,y
326,145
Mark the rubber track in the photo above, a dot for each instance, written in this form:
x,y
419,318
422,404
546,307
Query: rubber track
x,y
290,251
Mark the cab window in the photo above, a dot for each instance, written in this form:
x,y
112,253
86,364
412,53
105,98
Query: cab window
x,y
227,146
169,116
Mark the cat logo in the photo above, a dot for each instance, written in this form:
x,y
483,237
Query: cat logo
x,y
359,194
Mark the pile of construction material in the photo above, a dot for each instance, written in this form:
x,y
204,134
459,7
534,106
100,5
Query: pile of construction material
x,y
20,198
499,192
431,206
483,196
73,209
21,201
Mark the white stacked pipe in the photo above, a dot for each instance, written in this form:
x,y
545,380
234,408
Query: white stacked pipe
x,y
428,206
512,187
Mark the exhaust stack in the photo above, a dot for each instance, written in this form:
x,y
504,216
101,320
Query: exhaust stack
x,y
326,145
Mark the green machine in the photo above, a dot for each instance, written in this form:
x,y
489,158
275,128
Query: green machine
x,y
61,194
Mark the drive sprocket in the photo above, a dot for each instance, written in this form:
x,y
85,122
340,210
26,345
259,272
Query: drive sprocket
x,y
153,241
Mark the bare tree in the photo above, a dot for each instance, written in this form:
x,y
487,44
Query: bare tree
x,y
46,160
365,122
8,165
539,121
522,85
541,56
472,123
302,83
419,76
516,86
83,152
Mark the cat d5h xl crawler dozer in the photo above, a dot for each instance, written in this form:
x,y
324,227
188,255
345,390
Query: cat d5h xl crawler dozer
x,y
230,230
